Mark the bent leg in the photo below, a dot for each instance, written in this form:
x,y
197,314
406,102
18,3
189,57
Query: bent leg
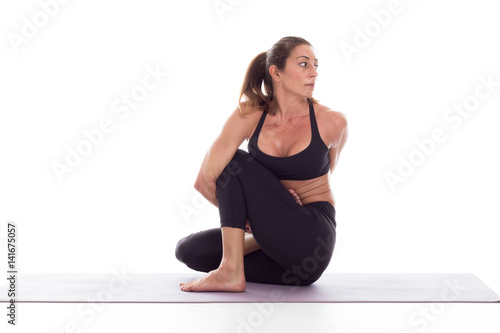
x,y
229,276
202,251
296,241
286,231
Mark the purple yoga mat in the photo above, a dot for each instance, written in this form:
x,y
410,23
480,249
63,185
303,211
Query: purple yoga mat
x,y
122,287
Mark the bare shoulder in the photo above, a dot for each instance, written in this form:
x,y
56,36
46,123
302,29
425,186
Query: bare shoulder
x,y
249,117
331,123
234,131
330,117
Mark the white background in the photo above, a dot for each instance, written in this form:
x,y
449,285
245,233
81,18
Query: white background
x,y
131,198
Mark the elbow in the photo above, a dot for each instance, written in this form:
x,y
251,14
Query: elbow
x,y
197,185
201,183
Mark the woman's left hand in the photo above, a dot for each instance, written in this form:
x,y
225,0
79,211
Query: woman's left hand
x,y
247,227
295,196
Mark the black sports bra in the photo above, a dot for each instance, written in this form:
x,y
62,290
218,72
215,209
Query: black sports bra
x,y
312,162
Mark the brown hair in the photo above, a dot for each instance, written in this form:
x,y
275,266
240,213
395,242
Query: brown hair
x,y
258,71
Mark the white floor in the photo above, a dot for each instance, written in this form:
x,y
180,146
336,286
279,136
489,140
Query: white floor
x,y
256,317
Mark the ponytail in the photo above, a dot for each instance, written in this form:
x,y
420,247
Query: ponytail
x,y
252,84
258,72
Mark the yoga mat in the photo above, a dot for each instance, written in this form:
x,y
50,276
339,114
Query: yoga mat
x,y
330,288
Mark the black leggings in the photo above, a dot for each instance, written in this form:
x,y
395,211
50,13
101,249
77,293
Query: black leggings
x,y
296,242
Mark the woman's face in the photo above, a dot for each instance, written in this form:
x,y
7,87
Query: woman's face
x,y
299,74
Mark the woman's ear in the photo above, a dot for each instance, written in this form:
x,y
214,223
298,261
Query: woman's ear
x,y
275,73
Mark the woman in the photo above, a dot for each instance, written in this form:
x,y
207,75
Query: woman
x,y
275,202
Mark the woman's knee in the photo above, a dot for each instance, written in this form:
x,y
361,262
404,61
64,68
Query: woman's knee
x,y
243,157
309,281
201,250
188,253
240,159
182,250
232,169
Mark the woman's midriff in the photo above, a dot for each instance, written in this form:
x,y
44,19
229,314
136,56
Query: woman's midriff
x,y
311,190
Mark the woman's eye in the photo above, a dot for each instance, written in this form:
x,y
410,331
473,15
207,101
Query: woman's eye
x,y
315,66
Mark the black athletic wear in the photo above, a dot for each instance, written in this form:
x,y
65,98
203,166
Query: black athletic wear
x,y
296,242
312,162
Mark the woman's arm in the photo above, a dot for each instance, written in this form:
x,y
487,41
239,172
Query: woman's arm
x,y
235,130
338,128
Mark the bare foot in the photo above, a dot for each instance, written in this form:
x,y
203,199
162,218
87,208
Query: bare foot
x,y
295,196
220,279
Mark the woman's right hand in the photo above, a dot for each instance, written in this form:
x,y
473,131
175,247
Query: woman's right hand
x,y
295,196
